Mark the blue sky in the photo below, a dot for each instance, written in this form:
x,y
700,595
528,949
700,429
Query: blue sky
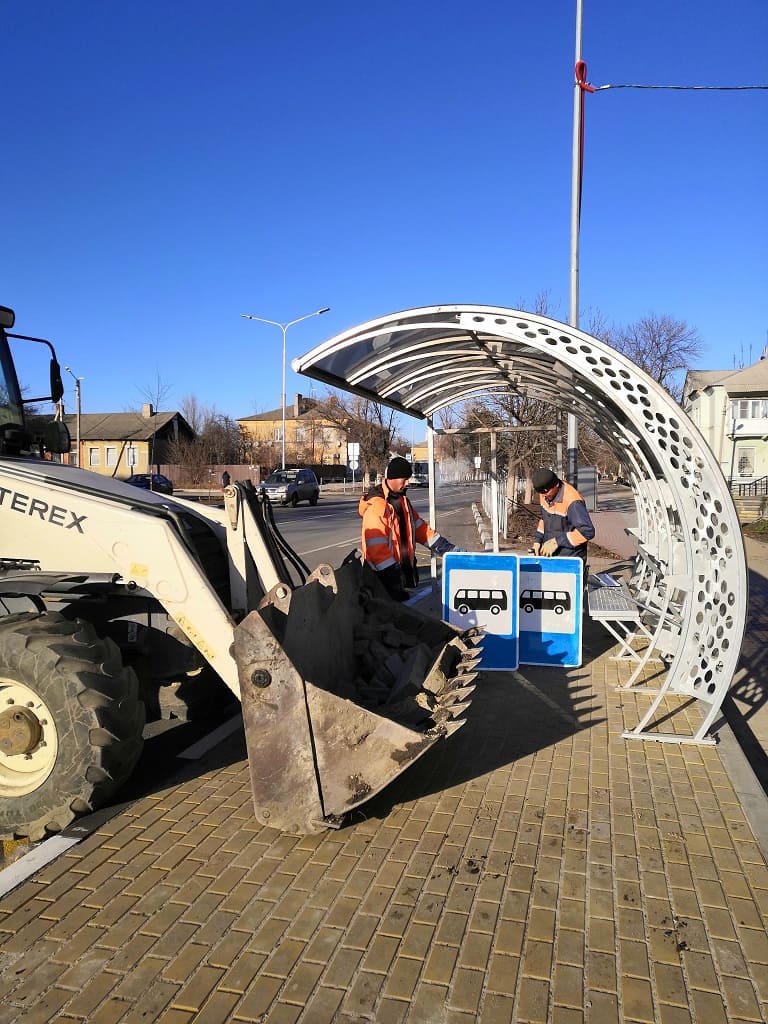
x,y
169,166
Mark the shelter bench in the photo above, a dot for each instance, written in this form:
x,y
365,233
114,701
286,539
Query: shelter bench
x,y
612,605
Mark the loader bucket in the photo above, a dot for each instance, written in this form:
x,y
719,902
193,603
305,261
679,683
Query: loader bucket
x,y
342,689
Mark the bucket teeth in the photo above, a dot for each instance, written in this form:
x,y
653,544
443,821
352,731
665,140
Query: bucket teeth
x,y
448,698
454,710
454,726
463,679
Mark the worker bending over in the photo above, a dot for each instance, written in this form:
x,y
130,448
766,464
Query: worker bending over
x,y
565,527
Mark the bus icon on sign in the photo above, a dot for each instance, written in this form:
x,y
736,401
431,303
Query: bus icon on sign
x,y
468,599
558,601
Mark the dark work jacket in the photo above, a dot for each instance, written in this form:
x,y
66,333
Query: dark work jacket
x,y
567,520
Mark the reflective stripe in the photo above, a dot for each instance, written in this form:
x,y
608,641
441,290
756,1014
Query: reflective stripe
x,y
578,538
383,565
371,542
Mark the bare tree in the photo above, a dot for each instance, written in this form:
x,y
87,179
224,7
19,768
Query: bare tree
x,y
365,422
662,346
218,440
155,394
221,438
194,412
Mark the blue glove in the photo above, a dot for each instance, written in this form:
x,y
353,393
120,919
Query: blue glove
x,y
442,547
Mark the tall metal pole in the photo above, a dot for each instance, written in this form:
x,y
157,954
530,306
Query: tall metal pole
x,y
284,329
77,411
77,414
282,397
573,317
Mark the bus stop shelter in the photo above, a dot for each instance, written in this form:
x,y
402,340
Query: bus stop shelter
x,y
689,584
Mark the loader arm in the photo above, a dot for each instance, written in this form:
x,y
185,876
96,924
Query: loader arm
x,y
68,521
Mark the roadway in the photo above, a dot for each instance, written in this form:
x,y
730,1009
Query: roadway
x,y
328,531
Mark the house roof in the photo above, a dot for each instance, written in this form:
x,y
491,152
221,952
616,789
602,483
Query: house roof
x,y
307,413
750,380
124,426
747,380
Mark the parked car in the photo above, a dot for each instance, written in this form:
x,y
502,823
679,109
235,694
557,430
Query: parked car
x,y
290,486
151,482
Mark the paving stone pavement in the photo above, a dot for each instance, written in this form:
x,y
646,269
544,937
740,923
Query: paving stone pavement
x,y
535,867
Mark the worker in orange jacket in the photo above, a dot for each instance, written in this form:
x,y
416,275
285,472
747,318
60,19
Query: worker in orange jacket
x,y
391,529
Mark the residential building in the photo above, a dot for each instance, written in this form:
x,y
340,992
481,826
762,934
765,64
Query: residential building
x,y
730,408
121,443
311,438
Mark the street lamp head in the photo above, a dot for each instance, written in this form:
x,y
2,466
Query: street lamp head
x,y
326,310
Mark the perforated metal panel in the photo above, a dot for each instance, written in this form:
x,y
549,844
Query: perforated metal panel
x,y
422,360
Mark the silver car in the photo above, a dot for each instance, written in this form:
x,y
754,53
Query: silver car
x,y
290,486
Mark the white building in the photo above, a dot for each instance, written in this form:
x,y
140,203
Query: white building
x,y
730,408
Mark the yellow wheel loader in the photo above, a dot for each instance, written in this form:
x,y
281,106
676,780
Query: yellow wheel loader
x,y
112,598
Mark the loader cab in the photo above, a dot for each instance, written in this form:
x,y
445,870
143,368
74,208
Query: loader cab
x,y
25,430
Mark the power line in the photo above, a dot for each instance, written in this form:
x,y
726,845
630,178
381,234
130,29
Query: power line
x,y
580,72
701,88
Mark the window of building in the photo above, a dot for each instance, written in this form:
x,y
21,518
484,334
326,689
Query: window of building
x,y
94,457
278,434
745,465
130,456
110,455
749,409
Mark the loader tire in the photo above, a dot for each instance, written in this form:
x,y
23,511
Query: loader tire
x,y
70,722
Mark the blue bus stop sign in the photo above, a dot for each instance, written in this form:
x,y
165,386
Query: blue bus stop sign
x,y
550,606
480,589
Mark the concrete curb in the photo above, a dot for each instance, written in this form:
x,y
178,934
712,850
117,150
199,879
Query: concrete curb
x,y
485,536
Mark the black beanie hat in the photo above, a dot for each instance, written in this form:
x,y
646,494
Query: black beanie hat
x,y
543,479
398,469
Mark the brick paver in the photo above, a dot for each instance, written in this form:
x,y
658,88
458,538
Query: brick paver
x,y
534,868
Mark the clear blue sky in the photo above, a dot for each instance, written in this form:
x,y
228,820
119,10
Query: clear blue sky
x,y
169,166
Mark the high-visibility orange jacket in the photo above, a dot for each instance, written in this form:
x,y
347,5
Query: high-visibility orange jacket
x,y
391,528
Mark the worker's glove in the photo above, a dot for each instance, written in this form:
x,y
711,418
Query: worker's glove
x,y
536,547
442,546
549,547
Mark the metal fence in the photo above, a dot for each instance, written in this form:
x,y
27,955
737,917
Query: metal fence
x,y
501,503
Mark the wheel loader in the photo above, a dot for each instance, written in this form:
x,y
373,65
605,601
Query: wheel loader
x,y
114,599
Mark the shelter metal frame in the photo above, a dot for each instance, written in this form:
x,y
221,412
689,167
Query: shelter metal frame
x,y
422,360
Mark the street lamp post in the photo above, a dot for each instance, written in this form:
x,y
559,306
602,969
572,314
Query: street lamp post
x,y
284,329
77,410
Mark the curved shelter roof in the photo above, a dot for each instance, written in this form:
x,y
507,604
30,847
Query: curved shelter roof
x,y
690,574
